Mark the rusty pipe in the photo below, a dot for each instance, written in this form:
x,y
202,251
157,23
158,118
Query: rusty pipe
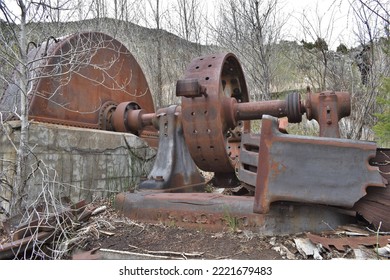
x,y
256,110
147,119
291,107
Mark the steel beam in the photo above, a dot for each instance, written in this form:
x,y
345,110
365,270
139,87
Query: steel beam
x,y
217,212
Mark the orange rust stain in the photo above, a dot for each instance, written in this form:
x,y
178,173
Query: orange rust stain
x,y
276,168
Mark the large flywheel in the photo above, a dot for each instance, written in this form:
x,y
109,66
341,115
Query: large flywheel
x,y
79,80
213,138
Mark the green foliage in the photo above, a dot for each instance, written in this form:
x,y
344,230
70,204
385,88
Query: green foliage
x,y
382,128
342,49
320,44
231,221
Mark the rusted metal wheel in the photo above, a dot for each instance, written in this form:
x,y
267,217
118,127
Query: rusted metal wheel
x,y
213,138
78,79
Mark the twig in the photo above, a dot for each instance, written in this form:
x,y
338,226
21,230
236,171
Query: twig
x,y
99,210
169,253
130,222
138,254
378,232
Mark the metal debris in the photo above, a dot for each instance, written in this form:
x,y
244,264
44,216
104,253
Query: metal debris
x,y
375,205
87,255
342,243
43,230
384,251
284,252
306,248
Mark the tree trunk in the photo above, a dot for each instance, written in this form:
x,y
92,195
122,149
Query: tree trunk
x,y
22,152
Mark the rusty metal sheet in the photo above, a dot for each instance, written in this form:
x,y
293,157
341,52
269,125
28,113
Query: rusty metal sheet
x,y
216,212
375,206
43,228
93,254
312,169
341,243
382,161
78,78
19,247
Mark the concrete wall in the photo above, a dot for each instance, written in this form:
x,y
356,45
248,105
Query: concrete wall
x,y
74,162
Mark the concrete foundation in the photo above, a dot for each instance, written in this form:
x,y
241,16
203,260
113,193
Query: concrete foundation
x,y
73,162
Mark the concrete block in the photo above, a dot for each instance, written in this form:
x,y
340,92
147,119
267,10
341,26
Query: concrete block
x,y
76,162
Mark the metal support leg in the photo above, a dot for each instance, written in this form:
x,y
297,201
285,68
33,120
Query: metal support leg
x,y
174,170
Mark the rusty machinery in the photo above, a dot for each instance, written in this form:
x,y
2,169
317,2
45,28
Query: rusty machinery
x,y
210,130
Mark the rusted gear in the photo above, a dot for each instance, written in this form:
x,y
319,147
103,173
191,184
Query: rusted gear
x,y
212,137
74,78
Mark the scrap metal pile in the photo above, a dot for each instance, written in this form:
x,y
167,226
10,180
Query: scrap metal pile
x,y
91,80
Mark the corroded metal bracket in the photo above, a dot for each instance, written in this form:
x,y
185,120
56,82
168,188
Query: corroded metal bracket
x,y
174,170
312,169
328,108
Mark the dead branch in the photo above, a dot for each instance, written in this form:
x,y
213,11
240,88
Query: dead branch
x,y
170,253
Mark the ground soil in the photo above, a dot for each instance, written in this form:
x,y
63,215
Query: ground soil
x,y
109,231
172,241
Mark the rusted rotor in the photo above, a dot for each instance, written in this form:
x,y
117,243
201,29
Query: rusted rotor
x,y
212,137
77,80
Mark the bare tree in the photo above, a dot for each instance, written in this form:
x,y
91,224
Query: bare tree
x,y
251,29
34,62
318,29
37,61
153,15
100,8
371,26
19,37
190,20
126,10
